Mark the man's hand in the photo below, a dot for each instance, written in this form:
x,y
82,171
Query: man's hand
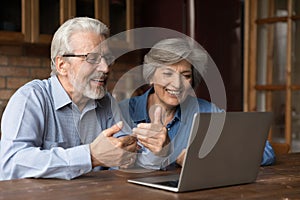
x,y
154,136
109,151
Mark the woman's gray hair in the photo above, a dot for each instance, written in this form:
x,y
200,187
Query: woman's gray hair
x,y
173,50
61,39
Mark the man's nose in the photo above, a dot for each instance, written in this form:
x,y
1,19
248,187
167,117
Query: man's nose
x,y
103,66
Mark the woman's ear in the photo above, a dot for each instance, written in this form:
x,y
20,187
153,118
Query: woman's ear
x,y
61,65
151,81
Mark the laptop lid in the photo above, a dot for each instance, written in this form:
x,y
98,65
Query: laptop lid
x,y
224,149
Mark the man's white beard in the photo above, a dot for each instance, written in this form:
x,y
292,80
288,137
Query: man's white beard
x,y
96,94
86,89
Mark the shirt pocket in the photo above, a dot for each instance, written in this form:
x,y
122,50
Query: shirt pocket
x,y
51,144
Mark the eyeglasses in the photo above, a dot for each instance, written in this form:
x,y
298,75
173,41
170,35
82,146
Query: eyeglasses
x,y
93,58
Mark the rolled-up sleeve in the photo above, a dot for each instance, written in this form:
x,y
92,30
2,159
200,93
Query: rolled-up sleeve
x,y
269,157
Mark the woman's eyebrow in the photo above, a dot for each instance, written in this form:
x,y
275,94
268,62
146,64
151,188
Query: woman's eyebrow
x,y
174,71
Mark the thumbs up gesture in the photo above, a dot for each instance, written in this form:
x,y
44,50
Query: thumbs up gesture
x,y
154,135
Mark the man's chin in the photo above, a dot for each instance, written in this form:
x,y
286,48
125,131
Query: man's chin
x,y
96,94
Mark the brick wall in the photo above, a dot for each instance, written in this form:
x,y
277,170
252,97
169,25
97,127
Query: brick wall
x,y
20,63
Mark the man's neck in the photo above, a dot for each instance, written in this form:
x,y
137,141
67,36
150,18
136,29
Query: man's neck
x,y
77,97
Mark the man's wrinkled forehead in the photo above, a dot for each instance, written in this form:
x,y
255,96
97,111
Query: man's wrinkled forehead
x,y
84,42
102,47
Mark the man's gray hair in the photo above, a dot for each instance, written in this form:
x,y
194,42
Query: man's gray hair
x,y
173,50
61,40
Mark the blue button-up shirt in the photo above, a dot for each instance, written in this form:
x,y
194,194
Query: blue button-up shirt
x,y
135,112
45,135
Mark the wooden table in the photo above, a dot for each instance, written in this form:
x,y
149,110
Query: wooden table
x,y
281,181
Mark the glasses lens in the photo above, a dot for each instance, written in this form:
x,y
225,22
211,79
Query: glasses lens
x,y
109,59
93,58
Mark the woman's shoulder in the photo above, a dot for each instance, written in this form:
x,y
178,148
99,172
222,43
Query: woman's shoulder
x,y
207,106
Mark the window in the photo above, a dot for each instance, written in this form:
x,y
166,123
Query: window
x,y
35,21
272,65
10,19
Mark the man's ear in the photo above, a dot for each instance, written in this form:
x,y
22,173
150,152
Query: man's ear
x,y
61,65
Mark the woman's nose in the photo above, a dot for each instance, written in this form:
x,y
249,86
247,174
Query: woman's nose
x,y
177,80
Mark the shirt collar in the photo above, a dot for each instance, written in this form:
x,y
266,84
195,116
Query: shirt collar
x,y
60,96
140,108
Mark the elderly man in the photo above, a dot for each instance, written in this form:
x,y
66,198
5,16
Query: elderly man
x,y
66,126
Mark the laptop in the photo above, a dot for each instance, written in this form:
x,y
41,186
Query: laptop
x,y
224,149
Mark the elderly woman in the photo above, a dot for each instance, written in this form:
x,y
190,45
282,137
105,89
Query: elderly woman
x,y
163,114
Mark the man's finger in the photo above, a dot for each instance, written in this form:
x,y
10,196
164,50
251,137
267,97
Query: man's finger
x,y
132,147
112,130
127,140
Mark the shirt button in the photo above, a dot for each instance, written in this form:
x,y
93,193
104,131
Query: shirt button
x,y
81,171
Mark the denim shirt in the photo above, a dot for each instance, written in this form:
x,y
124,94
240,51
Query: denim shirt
x,y
135,111
45,135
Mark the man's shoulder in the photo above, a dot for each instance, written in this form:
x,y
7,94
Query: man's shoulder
x,y
36,85
31,94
